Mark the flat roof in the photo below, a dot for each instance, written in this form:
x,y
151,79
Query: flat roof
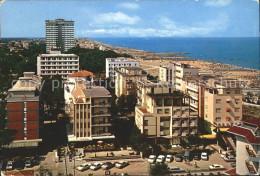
x,y
95,91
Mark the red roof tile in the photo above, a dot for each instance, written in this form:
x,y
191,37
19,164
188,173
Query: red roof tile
x,y
82,73
20,173
247,133
143,110
255,121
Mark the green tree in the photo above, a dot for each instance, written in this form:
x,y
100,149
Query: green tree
x,y
52,97
194,140
131,101
121,104
159,169
138,141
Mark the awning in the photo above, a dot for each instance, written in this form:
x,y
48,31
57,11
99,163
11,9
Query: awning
x,y
228,100
223,129
228,118
228,91
228,109
208,136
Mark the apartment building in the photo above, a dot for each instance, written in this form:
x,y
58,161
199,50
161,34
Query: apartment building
x,y
59,34
126,79
162,113
84,78
247,147
174,73
23,110
90,114
56,63
113,64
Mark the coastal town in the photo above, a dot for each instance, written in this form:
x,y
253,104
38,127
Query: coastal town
x,y
81,107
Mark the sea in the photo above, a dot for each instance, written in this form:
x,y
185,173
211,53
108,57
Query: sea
x,y
242,51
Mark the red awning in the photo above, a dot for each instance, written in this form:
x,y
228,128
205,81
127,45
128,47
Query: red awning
x,y
228,118
228,109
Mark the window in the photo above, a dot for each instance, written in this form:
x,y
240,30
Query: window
x,y
228,91
146,131
218,119
159,111
237,118
237,101
237,91
167,111
218,110
218,101
237,109
146,122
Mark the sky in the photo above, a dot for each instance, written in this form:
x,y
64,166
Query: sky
x,y
136,18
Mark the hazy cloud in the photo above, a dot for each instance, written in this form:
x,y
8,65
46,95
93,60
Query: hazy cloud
x,y
115,17
217,3
256,1
128,5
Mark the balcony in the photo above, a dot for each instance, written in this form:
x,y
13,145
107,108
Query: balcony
x,y
176,117
100,114
193,105
184,125
184,134
101,104
251,154
192,88
193,132
184,116
193,124
193,97
176,125
250,168
98,124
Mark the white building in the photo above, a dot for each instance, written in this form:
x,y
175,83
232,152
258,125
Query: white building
x,y
59,33
247,147
113,64
57,63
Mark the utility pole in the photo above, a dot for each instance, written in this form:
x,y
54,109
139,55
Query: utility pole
x,y
66,163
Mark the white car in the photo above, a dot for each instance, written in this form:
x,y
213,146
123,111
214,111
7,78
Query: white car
x,y
204,156
230,158
160,159
83,167
121,164
223,155
175,169
169,158
10,165
216,167
95,166
152,159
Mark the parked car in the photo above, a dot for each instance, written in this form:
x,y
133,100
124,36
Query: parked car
x,y
29,163
122,164
95,166
152,159
19,164
10,165
223,155
196,156
233,165
187,155
175,169
216,167
107,165
169,158
230,158
204,156
178,158
83,167
160,159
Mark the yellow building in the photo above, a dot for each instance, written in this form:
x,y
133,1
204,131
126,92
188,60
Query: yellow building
x,y
90,114
162,113
126,78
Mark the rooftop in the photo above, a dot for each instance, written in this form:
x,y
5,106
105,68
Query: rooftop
x,y
58,55
120,59
82,73
95,91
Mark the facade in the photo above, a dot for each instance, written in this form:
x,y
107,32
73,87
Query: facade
x,y
90,114
57,64
126,79
113,64
59,34
82,77
175,72
247,147
162,113
23,110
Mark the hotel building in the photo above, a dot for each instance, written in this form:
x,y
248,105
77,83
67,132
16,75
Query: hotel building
x,y
247,147
90,114
56,63
59,34
126,79
162,113
113,64
23,111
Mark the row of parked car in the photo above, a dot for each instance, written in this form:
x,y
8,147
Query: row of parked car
x,y
104,166
20,164
178,157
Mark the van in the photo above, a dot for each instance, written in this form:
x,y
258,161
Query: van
x,y
187,155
